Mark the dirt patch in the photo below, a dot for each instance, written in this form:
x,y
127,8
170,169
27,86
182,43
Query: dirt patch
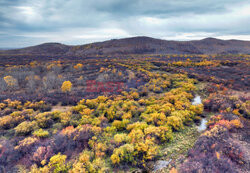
x,y
60,108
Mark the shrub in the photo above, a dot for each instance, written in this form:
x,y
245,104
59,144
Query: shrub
x,y
41,133
101,99
7,122
25,128
10,81
215,131
236,112
147,149
65,118
163,133
137,125
78,108
124,153
134,95
98,148
121,138
175,122
155,118
87,163
152,131
120,125
45,119
11,120
78,66
236,123
91,103
83,164
136,135
2,106
57,163
198,109
42,153
25,144
127,115
185,115
83,134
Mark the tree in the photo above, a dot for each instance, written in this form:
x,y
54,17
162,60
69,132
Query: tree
x,y
66,86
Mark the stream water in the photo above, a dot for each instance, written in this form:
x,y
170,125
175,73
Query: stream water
x,y
203,125
197,100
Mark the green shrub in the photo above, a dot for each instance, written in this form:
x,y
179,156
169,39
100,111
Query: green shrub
x,y
41,133
45,119
25,128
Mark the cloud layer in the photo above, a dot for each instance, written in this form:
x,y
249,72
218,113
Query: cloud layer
x,y
29,22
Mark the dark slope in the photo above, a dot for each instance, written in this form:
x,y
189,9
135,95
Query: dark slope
x,y
42,49
139,45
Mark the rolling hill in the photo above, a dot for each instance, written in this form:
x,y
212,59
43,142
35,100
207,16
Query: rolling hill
x,y
138,45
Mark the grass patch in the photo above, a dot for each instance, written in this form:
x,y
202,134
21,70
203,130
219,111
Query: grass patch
x,y
181,143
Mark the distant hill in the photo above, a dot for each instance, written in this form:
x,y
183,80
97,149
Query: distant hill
x,y
42,49
138,45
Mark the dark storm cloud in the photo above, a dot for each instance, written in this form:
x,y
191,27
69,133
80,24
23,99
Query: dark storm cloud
x,y
27,22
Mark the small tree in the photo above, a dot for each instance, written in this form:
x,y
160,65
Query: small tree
x,y
66,86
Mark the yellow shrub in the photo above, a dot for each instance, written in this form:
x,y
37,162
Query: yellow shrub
x,y
78,66
120,125
137,125
127,115
147,149
136,135
57,163
10,81
236,123
65,117
123,154
236,112
198,109
155,118
120,138
26,142
175,122
91,103
41,133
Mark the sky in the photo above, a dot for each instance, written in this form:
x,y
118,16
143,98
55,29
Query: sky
x,y
75,22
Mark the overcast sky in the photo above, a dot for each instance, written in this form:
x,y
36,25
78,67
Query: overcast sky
x,y
30,22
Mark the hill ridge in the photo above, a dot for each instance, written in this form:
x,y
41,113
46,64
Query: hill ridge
x,y
138,45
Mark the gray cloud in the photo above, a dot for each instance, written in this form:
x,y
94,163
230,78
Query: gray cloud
x,y
28,22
